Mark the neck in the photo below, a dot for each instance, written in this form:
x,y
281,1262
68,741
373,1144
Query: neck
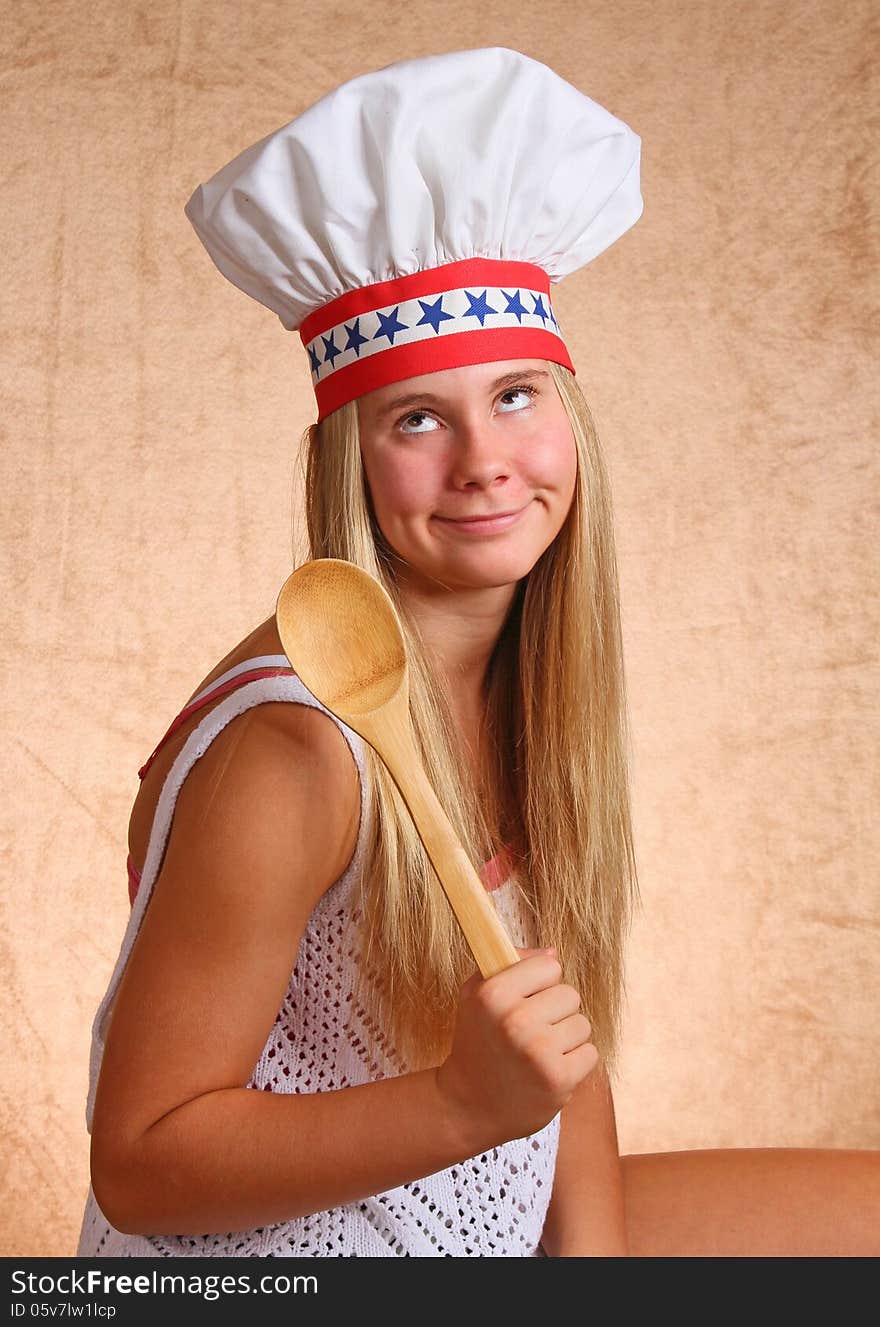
x,y
459,629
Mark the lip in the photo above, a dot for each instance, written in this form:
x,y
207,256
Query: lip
x,y
486,525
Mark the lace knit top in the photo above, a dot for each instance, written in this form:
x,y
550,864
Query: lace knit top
x,y
490,1205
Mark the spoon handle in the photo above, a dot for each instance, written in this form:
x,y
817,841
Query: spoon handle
x,y
491,946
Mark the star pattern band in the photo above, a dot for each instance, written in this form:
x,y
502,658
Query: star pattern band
x,y
447,314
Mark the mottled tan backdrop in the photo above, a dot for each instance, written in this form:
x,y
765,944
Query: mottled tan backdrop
x,y
151,414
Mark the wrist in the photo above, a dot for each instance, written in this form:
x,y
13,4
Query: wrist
x,y
467,1136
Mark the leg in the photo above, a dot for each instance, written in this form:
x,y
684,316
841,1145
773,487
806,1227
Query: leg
x,y
761,1202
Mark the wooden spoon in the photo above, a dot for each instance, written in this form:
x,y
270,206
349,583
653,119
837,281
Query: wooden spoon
x,y
341,632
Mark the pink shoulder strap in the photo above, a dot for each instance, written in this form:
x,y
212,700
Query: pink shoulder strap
x,y
218,688
493,873
228,681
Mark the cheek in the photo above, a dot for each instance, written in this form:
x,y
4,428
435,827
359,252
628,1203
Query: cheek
x,y
550,459
400,488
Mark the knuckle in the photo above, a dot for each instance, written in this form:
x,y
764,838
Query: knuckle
x,y
481,993
590,1056
515,1023
559,1083
584,1024
491,1001
540,1048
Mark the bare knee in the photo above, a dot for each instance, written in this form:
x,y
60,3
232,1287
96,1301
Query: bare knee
x,y
753,1202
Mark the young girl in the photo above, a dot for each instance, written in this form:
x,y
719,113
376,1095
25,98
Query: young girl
x,y
295,1055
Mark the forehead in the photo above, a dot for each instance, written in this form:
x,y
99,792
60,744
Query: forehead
x,y
449,384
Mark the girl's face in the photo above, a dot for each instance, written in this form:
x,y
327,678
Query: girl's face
x,y
471,442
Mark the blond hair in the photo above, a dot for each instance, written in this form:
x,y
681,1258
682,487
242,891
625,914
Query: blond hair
x,y
557,721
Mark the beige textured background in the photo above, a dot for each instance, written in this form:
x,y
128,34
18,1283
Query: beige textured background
x,y
150,417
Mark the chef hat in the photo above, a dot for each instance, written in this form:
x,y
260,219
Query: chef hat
x,y
414,218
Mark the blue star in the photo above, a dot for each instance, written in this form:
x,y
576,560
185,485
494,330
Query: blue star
x,y
355,340
433,313
479,307
514,305
389,325
331,348
315,362
539,308
553,318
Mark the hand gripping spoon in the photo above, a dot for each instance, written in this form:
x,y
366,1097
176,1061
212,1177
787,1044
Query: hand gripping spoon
x,y
341,632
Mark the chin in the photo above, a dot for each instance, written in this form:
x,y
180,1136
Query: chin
x,y
482,571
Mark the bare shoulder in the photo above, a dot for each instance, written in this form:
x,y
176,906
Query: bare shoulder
x,y
279,770
309,733
305,749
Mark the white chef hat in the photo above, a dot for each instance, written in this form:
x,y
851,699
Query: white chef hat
x,y
413,218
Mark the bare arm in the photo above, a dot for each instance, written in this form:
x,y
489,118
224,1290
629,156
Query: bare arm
x,y
179,1144
586,1217
237,1158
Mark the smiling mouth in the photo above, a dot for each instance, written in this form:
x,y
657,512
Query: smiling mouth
x,y
485,524
485,516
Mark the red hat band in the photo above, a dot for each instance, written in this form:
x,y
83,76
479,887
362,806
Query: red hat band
x,y
468,312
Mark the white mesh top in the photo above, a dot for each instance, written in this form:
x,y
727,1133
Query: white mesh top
x,y
491,1205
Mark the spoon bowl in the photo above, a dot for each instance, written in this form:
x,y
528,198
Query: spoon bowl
x,y
342,634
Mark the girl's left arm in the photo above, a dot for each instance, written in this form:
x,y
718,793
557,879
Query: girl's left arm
x,y
586,1216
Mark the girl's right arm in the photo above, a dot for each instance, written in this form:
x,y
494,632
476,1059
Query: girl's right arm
x,y
265,822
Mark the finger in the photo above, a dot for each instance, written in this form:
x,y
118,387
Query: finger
x,y
529,975
573,1032
582,1060
555,1003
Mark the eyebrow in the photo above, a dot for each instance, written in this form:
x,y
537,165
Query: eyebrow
x,y
421,398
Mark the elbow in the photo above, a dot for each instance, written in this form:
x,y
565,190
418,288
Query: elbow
x,y
105,1197
112,1193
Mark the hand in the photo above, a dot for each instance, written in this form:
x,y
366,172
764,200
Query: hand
x,y
520,1048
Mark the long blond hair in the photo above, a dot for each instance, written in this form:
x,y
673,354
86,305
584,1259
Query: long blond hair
x,y
557,720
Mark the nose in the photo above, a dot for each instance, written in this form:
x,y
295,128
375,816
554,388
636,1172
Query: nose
x,y
480,455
